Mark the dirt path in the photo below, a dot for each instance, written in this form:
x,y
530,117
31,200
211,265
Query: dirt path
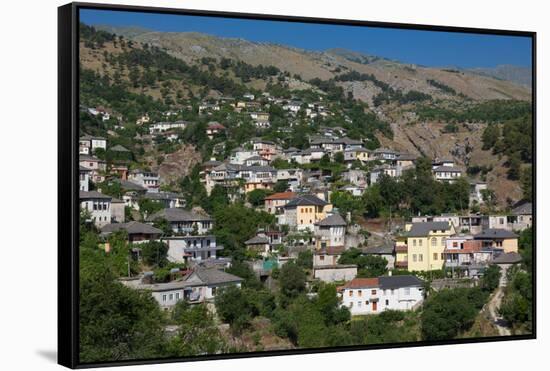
x,y
492,308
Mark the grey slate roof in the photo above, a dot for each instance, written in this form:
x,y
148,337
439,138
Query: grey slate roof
x,y
451,169
131,186
384,249
162,196
423,229
333,220
119,148
523,209
92,195
305,200
212,276
178,215
395,282
508,258
491,233
131,227
257,240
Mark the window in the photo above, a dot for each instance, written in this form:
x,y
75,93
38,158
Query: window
x,y
321,257
392,291
359,304
359,293
434,241
171,296
163,297
420,257
435,256
350,293
455,244
407,291
213,291
420,242
414,257
387,302
177,296
442,256
414,243
351,304
373,292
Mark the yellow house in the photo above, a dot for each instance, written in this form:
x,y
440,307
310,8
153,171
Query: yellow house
x,y
306,210
426,243
499,239
364,155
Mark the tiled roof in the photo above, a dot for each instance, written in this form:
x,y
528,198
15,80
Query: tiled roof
x,y
523,209
423,229
394,282
257,240
306,200
495,233
177,215
508,258
332,220
360,283
92,194
282,196
131,227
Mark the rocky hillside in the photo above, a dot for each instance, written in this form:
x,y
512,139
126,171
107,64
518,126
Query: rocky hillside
x,y
191,47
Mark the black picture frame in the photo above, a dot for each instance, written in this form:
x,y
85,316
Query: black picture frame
x,y
68,205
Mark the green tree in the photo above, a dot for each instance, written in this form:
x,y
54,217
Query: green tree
x,y
292,280
257,196
117,323
197,333
154,253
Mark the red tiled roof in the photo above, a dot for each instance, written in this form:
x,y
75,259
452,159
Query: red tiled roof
x,y
358,283
282,196
215,125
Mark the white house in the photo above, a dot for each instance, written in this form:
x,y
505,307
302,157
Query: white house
x,y
330,232
389,170
146,179
239,155
447,173
374,295
184,222
84,178
183,249
160,127
201,285
98,205
91,143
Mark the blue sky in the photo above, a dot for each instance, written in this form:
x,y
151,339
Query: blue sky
x,y
429,48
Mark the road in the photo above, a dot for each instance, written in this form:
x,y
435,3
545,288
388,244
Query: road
x,y
494,304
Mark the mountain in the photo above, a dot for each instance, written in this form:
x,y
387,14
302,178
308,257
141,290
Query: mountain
x,y
436,112
517,74
192,46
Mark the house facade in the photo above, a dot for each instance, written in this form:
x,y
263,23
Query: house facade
x,y
374,295
304,211
98,205
184,249
426,244
184,222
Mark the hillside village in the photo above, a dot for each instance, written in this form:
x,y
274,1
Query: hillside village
x,y
282,214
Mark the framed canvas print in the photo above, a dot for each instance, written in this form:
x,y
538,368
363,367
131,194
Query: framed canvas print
x,y
242,185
